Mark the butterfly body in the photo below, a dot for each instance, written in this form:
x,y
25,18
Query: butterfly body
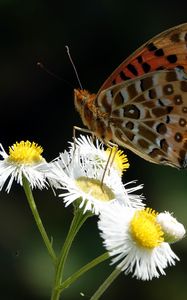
x,y
144,108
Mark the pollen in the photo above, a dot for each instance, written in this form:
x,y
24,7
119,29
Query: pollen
x,y
119,159
25,153
145,229
93,188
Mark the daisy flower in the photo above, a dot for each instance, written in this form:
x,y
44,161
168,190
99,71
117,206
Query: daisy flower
x,y
96,154
23,159
136,240
79,178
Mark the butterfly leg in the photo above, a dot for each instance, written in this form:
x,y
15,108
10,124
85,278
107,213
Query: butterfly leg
x,y
113,150
75,129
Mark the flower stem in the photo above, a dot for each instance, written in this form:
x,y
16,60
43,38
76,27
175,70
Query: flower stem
x,y
78,220
83,270
105,284
38,220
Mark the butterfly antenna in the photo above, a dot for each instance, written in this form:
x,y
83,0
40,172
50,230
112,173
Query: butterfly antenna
x,y
41,66
73,65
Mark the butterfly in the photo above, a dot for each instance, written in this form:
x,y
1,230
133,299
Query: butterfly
x,y
143,104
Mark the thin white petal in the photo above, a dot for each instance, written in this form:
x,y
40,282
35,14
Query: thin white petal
x,y
143,263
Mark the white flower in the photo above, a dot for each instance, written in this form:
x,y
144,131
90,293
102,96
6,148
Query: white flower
x,y
136,240
95,154
78,178
24,159
173,230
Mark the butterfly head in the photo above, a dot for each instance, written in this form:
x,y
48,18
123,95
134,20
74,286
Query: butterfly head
x,y
81,98
84,103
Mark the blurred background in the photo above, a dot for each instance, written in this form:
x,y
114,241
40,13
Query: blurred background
x,y
38,107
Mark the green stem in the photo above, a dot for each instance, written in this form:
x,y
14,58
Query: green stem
x,y
105,284
38,220
83,270
78,220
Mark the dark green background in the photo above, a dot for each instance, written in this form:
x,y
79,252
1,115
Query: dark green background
x,y
40,108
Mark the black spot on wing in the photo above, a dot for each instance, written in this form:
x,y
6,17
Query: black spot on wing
x,y
132,69
172,58
139,59
175,38
146,67
123,76
151,47
159,52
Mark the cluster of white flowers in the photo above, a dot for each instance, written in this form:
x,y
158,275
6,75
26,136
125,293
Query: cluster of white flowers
x,y
87,174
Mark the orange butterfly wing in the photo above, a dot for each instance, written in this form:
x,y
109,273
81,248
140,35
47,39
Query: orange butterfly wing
x,y
167,50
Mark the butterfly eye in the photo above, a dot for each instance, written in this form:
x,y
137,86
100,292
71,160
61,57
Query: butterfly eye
x,y
79,98
83,100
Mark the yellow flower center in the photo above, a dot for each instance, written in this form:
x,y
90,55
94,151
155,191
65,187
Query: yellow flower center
x,y
25,153
145,229
93,187
119,159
